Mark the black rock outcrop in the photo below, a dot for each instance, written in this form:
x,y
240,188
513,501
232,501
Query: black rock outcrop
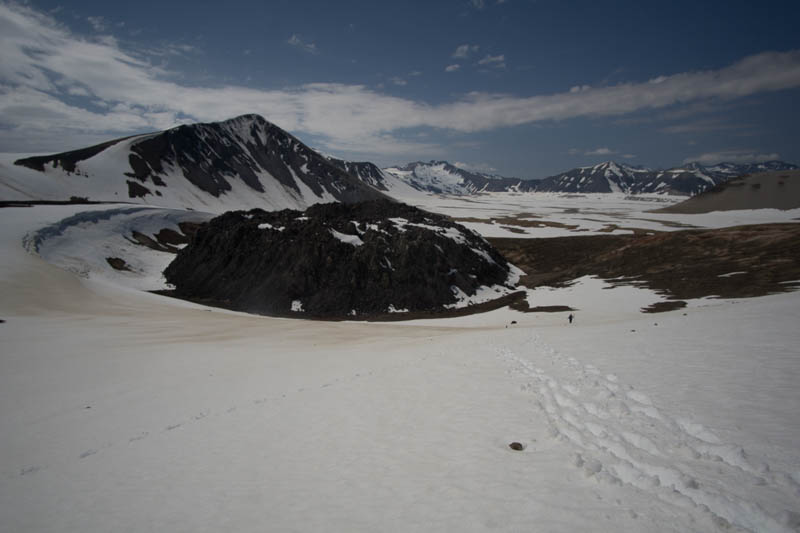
x,y
335,260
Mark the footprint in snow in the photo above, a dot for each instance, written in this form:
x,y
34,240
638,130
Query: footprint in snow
x,y
639,397
29,470
139,437
625,439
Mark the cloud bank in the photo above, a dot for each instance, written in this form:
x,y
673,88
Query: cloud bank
x,y
600,151
55,85
732,156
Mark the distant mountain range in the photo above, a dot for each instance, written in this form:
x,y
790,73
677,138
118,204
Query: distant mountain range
x,y
248,162
440,177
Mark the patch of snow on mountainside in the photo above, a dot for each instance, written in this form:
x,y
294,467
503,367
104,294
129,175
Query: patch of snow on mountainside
x,y
352,240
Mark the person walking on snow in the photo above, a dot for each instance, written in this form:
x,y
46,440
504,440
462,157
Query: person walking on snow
x,y
570,317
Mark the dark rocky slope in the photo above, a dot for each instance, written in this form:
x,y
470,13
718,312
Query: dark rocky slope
x,y
334,261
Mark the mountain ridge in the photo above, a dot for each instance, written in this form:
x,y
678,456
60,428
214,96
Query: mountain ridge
x,y
248,162
440,177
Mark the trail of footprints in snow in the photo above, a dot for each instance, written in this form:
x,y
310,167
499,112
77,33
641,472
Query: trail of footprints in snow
x,y
30,470
620,437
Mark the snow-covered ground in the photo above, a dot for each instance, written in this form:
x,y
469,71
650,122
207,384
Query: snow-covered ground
x,y
83,242
557,214
124,410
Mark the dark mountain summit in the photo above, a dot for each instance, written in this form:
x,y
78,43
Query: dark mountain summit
x,y
335,260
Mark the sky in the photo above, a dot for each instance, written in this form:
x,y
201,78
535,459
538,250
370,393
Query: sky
x,y
519,88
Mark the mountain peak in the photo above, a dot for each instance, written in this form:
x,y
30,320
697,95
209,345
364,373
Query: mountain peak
x,y
246,118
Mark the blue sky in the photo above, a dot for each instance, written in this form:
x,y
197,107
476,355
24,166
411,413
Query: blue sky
x,y
518,87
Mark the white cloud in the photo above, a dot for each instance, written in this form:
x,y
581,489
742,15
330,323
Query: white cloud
x,y
710,124
600,151
98,23
398,81
295,40
629,156
465,50
732,156
493,61
43,62
477,4
452,68
475,167
171,49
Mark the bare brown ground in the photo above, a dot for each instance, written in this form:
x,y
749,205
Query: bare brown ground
x,y
518,221
682,264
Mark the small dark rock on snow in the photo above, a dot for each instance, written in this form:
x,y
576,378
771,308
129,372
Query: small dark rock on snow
x,y
118,263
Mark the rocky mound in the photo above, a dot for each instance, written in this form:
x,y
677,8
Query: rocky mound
x,y
337,260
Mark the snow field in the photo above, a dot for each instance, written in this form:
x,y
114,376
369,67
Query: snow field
x,y
608,213
125,410
202,421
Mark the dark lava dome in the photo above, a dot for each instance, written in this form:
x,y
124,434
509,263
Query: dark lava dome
x,y
335,260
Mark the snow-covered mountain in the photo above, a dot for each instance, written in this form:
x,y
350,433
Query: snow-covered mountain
x,y
610,176
440,177
605,177
239,163
247,162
